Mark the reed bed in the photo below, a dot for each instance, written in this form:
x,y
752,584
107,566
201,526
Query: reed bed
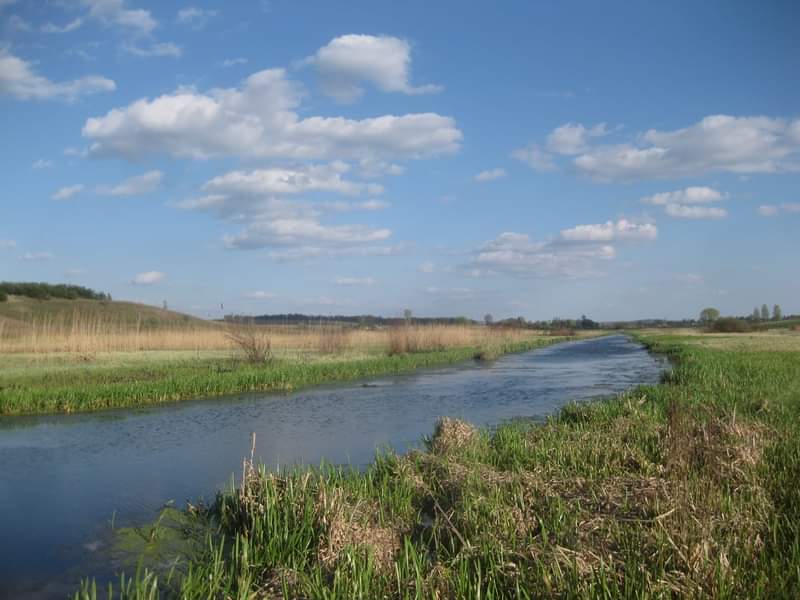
x,y
89,333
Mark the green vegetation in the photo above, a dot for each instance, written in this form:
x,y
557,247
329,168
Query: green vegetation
x,y
45,291
688,488
73,386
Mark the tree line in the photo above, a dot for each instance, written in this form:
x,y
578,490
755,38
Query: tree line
x,y
45,291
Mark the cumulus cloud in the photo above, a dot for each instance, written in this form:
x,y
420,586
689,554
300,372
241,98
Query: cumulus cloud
x,y
195,17
355,281
314,252
148,278
370,168
259,119
115,12
576,252
695,212
134,186
303,232
690,195
19,80
8,244
610,231
573,138
348,60
67,192
345,206
156,49
42,164
490,175
716,143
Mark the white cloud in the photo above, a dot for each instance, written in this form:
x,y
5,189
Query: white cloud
x,y
768,210
427,267
75,152
490,175
370,168
42,164
67,192
577,252
37,256
772,210
535,157
348,60
8,244
259,119
195,17
716,143
148,278
309,178
303,232
314,252
695,212
573,138
232,62
343,206
18,79
66,28
259,295
690,195
114,12
155,49
355,281
134,186
610,231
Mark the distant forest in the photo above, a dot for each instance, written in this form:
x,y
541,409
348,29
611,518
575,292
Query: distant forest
x,y
45,291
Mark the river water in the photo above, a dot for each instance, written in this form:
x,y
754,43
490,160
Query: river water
x,y
65,478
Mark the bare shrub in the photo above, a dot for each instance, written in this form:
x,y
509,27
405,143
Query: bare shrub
x,y
256,346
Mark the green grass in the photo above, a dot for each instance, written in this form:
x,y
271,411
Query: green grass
x,y
687,489
114,383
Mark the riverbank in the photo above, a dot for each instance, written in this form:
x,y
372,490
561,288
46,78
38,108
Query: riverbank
x,y
686,488
74,383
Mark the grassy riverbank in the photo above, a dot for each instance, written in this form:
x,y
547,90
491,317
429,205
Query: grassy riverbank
x,y
688,488
68,382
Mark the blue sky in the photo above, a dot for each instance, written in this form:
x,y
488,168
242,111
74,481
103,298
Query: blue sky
x,y
615,159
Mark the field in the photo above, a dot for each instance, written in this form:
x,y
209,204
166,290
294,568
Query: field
x,y
688,489
78,355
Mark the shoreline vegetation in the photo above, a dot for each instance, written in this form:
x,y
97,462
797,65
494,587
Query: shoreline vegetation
x,y
687,488
78,361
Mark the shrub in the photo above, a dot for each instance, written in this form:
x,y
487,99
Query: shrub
x,y
253,344
728,325
3,296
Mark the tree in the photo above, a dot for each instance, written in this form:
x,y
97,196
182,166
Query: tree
x,y
488,319
756,314
708,315
764,312
777,313
407,315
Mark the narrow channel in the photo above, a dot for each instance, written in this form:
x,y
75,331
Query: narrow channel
x,y
64,478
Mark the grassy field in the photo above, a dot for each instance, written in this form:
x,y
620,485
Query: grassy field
x,y
686,489
79,355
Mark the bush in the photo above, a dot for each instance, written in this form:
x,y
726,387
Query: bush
x,y
728,325
3,296
43,291
253,344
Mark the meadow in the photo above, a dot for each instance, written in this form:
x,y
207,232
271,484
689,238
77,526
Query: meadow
x,y
79,355
687,488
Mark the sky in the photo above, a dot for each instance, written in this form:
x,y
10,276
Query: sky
x,y
614,159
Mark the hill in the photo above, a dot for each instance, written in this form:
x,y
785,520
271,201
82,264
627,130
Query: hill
x,y
22,310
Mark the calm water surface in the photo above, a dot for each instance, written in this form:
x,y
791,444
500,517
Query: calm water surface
x,y
64,478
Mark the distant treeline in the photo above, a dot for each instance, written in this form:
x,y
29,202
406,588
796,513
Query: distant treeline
x,y
375,321
44,291
352,320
